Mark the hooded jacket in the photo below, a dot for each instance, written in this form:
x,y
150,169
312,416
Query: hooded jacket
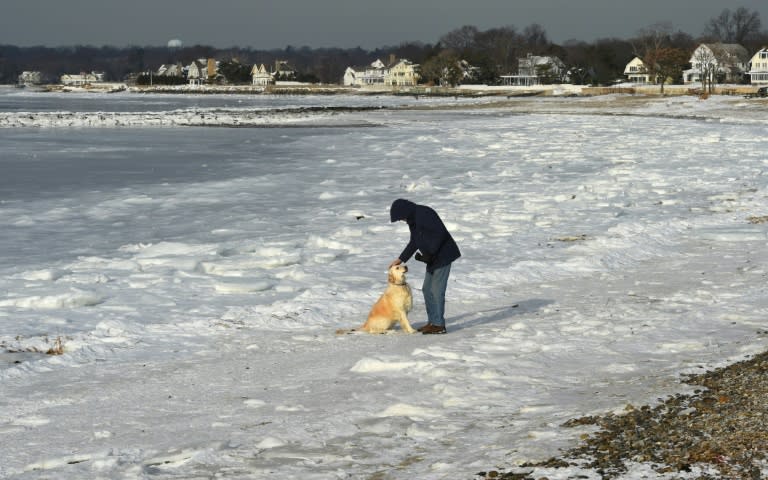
x,y
428,234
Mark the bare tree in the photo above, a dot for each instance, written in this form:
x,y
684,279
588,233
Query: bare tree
x,y
733,27
670,63
460,40
648,46
705,61
535,37
502,46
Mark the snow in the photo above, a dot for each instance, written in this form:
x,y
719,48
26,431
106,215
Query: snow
x,y
196,277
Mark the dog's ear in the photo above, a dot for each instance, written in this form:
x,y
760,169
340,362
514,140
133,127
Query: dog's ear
x,y
390,276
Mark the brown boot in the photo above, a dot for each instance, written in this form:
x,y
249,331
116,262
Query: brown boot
x,y
421,328
432,329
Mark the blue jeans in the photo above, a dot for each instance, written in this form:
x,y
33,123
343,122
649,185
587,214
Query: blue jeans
x,y
434,287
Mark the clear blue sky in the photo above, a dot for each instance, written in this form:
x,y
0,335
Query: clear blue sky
x,y
266,24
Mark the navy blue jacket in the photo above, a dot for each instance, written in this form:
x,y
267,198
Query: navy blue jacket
x,y
428,234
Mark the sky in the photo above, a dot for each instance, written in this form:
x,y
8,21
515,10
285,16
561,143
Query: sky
x,y
268,24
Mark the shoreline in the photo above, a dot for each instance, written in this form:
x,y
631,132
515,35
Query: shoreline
x,y
718,431
562,90
720,109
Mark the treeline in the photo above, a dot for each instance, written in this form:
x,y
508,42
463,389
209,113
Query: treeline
x,y
491,52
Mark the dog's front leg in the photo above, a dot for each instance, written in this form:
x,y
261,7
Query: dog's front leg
x,y
405,325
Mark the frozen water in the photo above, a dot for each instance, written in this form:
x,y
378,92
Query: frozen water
x,y
195,277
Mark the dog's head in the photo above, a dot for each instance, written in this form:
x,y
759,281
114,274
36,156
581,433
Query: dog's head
x,y
397,273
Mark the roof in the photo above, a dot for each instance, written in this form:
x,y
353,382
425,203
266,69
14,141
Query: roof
x,y
730,49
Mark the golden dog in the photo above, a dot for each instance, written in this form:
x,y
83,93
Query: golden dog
x,y
393,305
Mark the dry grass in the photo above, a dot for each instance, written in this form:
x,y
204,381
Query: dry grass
x,y
45,346
57,348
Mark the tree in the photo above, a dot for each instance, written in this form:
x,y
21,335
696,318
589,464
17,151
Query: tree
x,y
649,47
500,47
443,69
670,63
733,27
601,62
706,61
235,72
535,38
578,56
461,40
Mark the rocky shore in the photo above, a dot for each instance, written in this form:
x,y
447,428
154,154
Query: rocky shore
x,y
720,431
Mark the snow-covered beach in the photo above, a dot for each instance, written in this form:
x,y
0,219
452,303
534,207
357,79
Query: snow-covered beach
x,y
195,277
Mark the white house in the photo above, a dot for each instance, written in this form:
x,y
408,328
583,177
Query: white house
x,y
283,71
758,68
30,78
372,74
197,72
398,73
535,70
172,70
636,72
260,76
721,62
202,70
82,79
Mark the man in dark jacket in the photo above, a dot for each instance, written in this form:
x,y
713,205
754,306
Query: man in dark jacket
x,y
436,248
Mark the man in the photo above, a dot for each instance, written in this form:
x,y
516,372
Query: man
x,y
436,248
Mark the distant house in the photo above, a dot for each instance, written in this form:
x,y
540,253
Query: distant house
x,y
197,72
28,78
397,73
536,70
372,74
260,76
717,63
458,73
468,72
758,67
82,79
172,70
352,77
636,72
401,73
283,71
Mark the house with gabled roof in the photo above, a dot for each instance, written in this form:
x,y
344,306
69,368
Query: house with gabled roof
x,y
28,78
260,76
636,72
283,71
82,79
197,72
372,74
402,73
170,70
758,67
397,73
202,71
536,70
721,62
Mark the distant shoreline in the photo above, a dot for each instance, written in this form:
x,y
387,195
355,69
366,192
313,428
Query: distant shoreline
x,y
463,91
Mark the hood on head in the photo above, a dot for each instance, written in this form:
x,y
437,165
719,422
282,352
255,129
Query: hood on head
x,y
401,209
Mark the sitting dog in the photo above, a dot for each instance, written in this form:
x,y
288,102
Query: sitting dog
x,y
393,305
